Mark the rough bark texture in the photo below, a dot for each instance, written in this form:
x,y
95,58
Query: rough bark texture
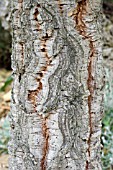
x,y
57,93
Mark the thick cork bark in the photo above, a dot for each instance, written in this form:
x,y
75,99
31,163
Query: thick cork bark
x,y
57,94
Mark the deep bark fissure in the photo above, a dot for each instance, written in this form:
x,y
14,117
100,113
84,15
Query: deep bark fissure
x,y
22,51
90,82
54,87
45,133
36,13
20,1
81,11
33,94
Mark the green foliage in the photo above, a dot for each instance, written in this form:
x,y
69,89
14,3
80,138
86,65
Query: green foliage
x,y
107,0
7,82
5,48
107,124
107,140
4,136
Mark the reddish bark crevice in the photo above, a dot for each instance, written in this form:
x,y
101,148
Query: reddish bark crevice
x,y
79,13
78,17
91,88
20,1
22,51
87,165
36,13
45,133
45,130
44,51
32,95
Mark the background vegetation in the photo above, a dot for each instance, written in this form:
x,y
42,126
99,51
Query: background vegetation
x,y
5,48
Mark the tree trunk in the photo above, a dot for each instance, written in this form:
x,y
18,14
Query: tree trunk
x,y
57,91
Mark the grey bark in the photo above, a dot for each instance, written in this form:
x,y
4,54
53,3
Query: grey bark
x,y
57,91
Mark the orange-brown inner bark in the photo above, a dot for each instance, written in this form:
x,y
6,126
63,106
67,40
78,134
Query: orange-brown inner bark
x,y
81,11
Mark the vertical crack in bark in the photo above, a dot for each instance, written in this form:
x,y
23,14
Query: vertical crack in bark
x,y
20,1
45,132
90,83
22,52
32,95
36,13
78,17
79,13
